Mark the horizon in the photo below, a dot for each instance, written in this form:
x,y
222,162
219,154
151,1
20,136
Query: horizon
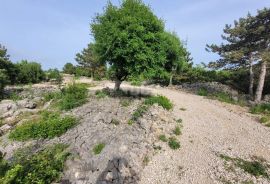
x,y
51,33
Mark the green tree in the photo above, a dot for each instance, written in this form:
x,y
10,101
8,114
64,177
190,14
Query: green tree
x,y
176,54
5,64
129,39
69,68
247,43
29,72
88,60
3,82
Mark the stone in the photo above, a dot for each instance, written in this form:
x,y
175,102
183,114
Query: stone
x,y
4,129
28,104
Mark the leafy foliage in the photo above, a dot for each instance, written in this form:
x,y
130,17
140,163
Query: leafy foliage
x,y
3,82
42,167
101,94
54,74
129,39
49,126
160,100
29,72
73,96
177,130
163,138
173,143
69,68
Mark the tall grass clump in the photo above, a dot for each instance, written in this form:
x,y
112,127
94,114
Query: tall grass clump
x,y
50,125
160,100
260,109
45,166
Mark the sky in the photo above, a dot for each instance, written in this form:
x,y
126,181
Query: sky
x,y
51,32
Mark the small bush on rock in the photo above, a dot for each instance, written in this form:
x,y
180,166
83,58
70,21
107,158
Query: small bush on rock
x,y
163,138
42,167
173,143
49,126
73,96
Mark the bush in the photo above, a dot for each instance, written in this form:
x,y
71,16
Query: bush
x,y
177,130
139,112
42,167
51,95
98,148
160,100
54,75
202,92
73,96
173,143
163,138
50,125
29,72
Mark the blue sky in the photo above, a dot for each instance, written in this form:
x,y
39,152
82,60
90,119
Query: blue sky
x,y
51,32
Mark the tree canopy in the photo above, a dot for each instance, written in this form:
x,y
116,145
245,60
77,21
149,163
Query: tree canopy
x,y
129,39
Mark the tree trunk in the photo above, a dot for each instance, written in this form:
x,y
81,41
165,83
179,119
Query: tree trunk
x,y
258,95
117,84
171,78
251,80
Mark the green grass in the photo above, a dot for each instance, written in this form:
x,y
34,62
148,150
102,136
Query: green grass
x,y
163,138
98,148
14,96
136,83
139,112
202,92
173,143
101,94
260,109
50,125
177,130
130,122
52,95
160,100
256,167
125,102
43,167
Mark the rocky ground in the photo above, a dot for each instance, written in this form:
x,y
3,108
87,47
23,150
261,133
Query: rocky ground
x,y
134,153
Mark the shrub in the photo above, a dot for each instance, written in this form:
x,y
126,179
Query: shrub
x,y
177,130
49,126
139,112
51,95
163,138
173,143
29,72
179,120
98,148
160,100
202,92
73,96
42,167
54,75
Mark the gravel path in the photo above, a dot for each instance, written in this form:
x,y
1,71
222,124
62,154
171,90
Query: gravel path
x,y
210,128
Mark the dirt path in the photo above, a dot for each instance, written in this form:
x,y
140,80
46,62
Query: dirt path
x,y
210,128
